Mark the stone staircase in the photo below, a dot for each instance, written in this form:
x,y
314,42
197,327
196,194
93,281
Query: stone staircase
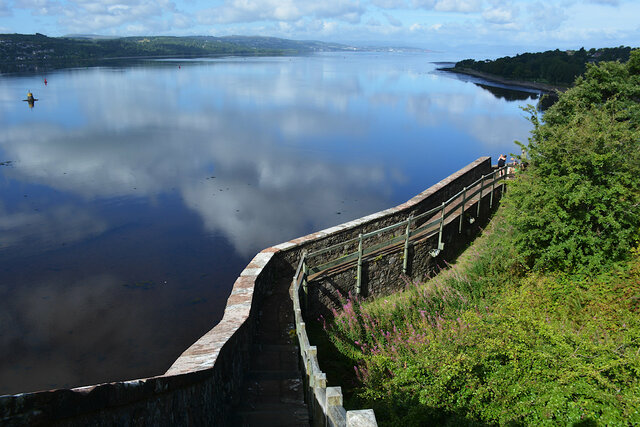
x,y
273,391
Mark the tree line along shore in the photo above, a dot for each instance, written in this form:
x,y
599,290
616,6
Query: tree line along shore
x,y
547,71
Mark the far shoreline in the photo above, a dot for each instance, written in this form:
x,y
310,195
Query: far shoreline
x,y
547,88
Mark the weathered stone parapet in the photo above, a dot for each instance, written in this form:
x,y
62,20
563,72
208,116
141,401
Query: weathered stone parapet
x,y
201,385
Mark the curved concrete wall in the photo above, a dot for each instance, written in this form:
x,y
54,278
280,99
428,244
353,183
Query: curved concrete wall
x,y
201,386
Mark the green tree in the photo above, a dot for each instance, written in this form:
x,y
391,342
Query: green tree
x,y
553,66
577,205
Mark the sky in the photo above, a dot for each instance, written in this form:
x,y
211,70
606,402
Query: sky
x,y
485,26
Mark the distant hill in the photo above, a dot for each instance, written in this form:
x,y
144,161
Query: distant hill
x,y
21,52
553,68
299,46
89,36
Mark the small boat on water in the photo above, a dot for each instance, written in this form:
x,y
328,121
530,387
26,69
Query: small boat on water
x,y
30,99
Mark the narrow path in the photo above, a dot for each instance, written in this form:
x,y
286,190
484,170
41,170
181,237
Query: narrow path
x,y
452,215
273,391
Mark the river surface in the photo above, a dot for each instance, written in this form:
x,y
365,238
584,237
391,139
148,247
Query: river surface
x,y
132,196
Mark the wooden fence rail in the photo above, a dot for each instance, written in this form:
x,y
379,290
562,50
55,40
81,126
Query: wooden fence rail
x,y
328,400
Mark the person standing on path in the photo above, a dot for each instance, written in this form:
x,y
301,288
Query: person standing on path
x,y
501,161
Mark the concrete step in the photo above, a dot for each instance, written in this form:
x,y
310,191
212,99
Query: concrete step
x,y
267,415
272,393
273,375
275,387
277,357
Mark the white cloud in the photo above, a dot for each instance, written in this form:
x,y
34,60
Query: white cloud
x,y
282,10
4,10
40,7
393,21
329,27
606,2
500,14
181,20
546,17
450,24
417,27
116,16
609,36
456,6
463,6
423,4
29,4
390,4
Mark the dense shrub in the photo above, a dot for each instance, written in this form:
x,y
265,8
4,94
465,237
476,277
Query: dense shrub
x,y
577,205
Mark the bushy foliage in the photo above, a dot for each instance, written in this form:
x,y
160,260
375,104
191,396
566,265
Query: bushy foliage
x,y
577,205
464,350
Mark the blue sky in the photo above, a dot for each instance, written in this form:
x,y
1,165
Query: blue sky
x,y
499,26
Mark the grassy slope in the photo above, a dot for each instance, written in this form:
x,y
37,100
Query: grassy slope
x,y
482,344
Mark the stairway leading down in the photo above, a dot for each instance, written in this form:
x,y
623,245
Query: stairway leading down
x,y
273,391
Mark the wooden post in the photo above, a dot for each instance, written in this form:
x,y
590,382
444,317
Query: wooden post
x,y
441,227
504,180
464,200
480,199
493,187
304,284
359,277
406,246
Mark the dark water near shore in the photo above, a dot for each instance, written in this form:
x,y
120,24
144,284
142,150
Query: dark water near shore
x,y
132,197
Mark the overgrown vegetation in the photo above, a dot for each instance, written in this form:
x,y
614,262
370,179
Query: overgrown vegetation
x,y
538,323
577,207
553,67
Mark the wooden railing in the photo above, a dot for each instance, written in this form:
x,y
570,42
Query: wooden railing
x,y
414,228
323,400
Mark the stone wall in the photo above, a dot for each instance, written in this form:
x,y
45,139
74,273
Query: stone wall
x,y
200,387
384,274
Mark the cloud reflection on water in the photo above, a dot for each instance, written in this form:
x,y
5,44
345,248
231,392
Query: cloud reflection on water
x,y
153,174
268,184
35,228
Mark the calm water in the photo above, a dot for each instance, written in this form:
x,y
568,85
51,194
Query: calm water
x,y
131,197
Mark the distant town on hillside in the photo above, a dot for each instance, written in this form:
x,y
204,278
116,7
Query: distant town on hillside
x,y
24,53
